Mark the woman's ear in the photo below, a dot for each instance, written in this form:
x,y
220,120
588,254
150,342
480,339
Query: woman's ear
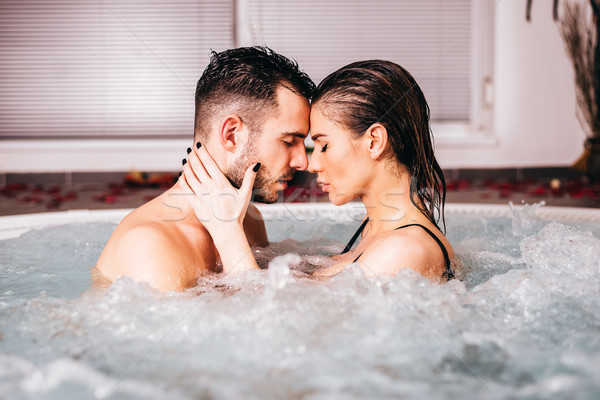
x,y
377,138
230,132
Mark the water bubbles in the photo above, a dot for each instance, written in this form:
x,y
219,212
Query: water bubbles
x,y
522,322
559,249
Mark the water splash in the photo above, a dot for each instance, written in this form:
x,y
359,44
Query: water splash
x,y
525,221
279,273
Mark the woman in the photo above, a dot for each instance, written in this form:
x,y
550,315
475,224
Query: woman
x,y
370,125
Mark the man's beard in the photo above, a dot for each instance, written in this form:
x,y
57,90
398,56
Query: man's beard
x,y
263,191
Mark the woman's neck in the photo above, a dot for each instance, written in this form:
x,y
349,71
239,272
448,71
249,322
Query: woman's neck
x,y
388,203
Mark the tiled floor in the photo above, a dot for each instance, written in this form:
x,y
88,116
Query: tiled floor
x,y
116,192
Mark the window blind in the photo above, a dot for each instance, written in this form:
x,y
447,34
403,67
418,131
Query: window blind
x,y
90,68
430,38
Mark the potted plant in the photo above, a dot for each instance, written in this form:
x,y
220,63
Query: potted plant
x,y
579,28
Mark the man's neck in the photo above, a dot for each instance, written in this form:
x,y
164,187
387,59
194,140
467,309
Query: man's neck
x,y
176,206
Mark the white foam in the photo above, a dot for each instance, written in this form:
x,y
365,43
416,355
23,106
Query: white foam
x,y
522,322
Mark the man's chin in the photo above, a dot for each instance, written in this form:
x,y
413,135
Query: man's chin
x,y
262,196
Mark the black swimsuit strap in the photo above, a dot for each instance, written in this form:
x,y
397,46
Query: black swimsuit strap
x,y
356,235
448,274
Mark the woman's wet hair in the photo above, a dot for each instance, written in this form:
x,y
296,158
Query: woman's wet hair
x,y
245,81
365,92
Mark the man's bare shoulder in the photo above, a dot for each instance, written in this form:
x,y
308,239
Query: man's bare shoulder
x,y
149,251
143,236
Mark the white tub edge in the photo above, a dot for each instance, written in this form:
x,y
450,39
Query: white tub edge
x,y
15,225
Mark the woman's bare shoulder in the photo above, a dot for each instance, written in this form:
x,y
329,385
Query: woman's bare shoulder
x,y
411,247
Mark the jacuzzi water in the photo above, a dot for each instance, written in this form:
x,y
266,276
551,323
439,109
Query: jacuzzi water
x,y
522,322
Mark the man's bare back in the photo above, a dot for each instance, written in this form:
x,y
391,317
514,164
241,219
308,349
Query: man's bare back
x,y
163,244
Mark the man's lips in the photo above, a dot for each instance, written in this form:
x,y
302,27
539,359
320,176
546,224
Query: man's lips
x,y
283,181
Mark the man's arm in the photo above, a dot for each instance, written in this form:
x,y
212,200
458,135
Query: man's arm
x,y
254,226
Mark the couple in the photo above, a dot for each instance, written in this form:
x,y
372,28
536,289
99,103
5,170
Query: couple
x,y
254,108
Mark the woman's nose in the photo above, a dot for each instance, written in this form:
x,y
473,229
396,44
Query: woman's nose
x,y
313,164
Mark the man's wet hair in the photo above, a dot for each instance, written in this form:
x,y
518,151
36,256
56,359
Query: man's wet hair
x,y
244,81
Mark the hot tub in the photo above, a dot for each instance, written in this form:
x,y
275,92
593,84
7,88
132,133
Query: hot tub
x,y
522,320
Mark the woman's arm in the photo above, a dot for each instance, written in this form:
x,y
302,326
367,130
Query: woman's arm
x,y
221,208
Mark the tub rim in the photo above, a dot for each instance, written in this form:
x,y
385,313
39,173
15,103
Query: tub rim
x,y
12,226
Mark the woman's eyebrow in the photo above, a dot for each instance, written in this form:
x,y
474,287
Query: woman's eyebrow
x,y
316,136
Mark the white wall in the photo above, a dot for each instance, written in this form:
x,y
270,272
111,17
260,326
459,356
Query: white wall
x,y
534,112
534,122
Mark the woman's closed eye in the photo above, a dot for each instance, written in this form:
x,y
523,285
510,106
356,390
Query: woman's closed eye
x,y
324,148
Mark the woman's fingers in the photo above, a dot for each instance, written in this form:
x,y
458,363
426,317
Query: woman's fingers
x,y
214,202
191,180
210,165
183,182
198,167
248,182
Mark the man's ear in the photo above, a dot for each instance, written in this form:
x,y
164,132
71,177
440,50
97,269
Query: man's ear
x,y
230,132
377,138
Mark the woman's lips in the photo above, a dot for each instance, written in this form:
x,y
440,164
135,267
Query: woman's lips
x,y
324,186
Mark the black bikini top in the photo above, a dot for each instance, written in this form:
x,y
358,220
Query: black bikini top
x,y
448,273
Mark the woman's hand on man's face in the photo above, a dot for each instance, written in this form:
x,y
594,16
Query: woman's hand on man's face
x,y
217,204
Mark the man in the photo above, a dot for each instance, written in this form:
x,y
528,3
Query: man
x,y
252,105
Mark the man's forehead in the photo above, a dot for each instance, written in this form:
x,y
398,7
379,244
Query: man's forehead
x,y
293,115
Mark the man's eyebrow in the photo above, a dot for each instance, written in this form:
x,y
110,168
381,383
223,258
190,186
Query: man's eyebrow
x,y
316,136
295,134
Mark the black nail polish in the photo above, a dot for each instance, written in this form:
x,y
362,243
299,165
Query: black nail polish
x,y
256,167
183,161
198,145
180,174
189,150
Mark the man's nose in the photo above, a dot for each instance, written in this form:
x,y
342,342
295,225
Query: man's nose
x,y
299,160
